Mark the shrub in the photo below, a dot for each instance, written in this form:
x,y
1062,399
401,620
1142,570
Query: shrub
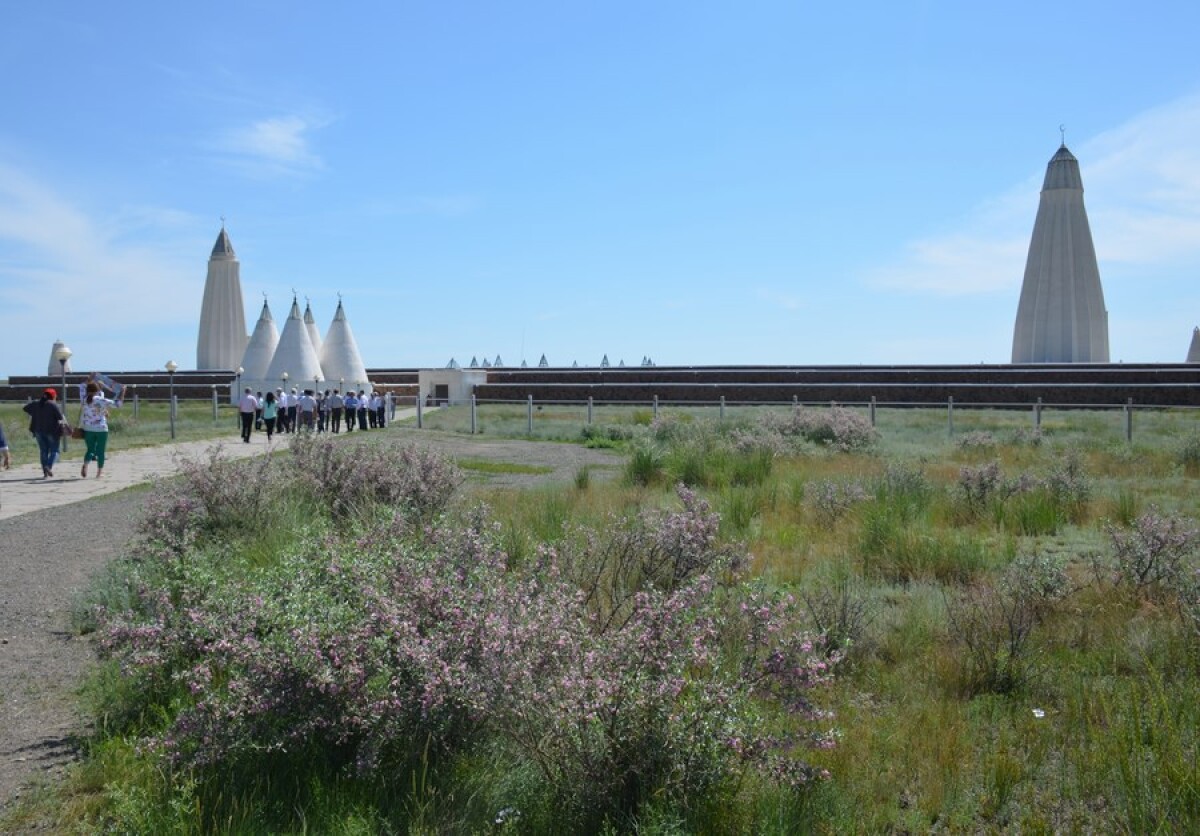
x,y
840,613
348,479
830,501
994,624
835,427
1156,554
1187,454
979,440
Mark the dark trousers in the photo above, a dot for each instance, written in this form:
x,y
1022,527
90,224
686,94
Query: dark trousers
x,y
362,418
247,425
336,416
270,425
291,418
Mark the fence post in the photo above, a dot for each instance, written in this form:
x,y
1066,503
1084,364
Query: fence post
x,y
1129,419
950,414
529,414
1037,415
656,407
420,411
872,410
722,407
474,421
214,391
135,405
589,410
795,401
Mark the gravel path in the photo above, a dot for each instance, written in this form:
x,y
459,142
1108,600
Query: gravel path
x,y
48,556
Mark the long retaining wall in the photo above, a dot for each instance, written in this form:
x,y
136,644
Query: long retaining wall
x,y
1092,384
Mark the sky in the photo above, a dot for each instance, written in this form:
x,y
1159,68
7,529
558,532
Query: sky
x,y
700,183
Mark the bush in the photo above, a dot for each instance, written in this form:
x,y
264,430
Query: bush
x,y
830,501
349,479
839,428
994,624
645,466
1155,555
629,665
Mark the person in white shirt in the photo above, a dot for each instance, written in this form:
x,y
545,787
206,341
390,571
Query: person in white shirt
x,y
94,420
247,406
306,406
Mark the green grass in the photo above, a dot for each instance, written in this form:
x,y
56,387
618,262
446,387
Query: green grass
x,y
152,426
489,466
1101,732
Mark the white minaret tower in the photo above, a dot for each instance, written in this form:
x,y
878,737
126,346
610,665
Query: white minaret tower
x,y
339,356
1061,317
259,351
222,315
294,355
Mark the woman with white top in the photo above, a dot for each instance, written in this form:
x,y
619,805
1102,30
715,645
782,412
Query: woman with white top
x,y
94,419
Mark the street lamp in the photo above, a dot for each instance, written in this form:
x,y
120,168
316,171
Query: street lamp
x,y
62,355
171,367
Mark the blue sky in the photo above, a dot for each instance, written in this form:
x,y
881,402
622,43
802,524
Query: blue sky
x,y
701,183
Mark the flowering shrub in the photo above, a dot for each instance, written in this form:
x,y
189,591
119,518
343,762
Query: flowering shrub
x,y
1157,553
831,501
979,440
212,496
347,478
835,427
629,664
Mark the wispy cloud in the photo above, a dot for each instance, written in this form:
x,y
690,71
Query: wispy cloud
x,y
67,274
276,146
1142,182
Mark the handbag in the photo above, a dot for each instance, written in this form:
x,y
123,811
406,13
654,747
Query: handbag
x,y
77,432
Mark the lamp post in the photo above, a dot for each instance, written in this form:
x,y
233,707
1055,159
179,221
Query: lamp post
x,y
237,394
171,367
62,355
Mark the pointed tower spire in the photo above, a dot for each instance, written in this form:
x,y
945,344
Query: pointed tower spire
x,y
1194,350
1061,317
340,359
222,339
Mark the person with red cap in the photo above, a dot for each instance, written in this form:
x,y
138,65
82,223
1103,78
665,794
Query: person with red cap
x,y
46,422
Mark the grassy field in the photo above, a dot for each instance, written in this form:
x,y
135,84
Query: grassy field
x,y
193,422
1016,614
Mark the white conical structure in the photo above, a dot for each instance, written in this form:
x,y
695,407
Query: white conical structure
x,y
1061,317
1193,350
295,355
261,348
222,340
339,353
54,368
310,325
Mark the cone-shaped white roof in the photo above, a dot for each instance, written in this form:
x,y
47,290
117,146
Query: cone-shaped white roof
x,y
310,325
294,354
261,348
339,353
1193,350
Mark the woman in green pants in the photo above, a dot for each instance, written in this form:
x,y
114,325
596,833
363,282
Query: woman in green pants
x,y
95,427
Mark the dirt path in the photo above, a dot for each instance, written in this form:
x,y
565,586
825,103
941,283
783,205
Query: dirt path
x,y
48,556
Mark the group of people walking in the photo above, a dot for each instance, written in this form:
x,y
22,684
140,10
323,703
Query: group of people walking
x,y
289,412
48,425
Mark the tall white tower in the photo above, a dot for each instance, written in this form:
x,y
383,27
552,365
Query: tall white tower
x,y
222,315
1061,317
